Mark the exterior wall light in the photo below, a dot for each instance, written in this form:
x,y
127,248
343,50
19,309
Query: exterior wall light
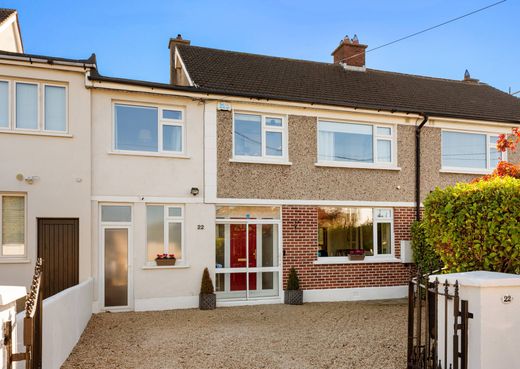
x,y
194,191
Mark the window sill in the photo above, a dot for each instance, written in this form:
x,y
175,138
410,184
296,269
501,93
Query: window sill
x,y
259,161
465,171
152,267
150,154
36,133
345,260
354,166
5,260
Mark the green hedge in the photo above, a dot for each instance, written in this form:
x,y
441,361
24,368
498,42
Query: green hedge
x,y
424,254
476,226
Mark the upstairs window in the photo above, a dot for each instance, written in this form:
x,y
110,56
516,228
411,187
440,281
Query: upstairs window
x,y
38,107
355,144
148,129
259,137
470,151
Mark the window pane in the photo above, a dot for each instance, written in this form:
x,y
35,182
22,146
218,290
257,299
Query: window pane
x,y
494,155
172,114
220,249
273,122
384,151
116,213
248,135
345,229
269,245
175,212
4,104
384,238
136,128
154,231
345,142
274,143
248,212
172,138
13,225
384,131
26,106
55,111
463,150
175,239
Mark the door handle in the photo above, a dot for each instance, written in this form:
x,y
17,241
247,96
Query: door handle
x,y
241,259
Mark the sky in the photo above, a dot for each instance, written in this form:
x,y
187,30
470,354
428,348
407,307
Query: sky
x,y
130,38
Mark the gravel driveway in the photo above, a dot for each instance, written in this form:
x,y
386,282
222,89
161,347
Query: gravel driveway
x,y
319,335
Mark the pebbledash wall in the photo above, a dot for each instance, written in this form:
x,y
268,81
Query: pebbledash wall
x,y
300,233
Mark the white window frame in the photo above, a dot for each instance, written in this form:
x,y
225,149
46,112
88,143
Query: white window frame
x,y
471,170
9,106
368,258
160,123
13,257
392,138
167,221
264,158
40,124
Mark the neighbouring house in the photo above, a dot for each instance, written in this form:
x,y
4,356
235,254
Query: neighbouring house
x,y
246,164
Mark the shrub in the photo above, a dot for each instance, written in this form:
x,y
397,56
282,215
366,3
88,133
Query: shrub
x,y
206,287
474,226
424,253
293,282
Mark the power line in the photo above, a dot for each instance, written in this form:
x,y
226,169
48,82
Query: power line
x,y
431,28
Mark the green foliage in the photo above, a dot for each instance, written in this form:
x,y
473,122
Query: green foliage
x,y
293,282
475,226
206,287
424,254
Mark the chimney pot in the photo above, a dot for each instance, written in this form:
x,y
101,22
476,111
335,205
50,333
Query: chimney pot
x,y
467,78
350,53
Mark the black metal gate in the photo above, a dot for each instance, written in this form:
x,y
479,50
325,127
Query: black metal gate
x,y
424,310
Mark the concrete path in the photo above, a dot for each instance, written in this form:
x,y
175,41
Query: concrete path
x,y
355,335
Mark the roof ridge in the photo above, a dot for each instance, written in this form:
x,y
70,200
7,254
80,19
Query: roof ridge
x,y
335,65
261,55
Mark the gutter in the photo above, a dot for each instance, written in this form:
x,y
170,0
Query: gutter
x,y
418,167
86,64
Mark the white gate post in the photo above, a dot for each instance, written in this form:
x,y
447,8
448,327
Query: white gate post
x,y
8,297
494,331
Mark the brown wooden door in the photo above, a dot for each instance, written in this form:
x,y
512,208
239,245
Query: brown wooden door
x,y
58,246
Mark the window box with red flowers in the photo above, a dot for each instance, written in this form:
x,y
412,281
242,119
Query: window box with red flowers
x,y
165,259
356,254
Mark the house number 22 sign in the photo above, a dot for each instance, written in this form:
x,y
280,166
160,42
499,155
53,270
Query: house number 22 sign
x,y
506,299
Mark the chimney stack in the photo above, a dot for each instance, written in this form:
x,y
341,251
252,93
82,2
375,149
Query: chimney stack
x,y
468,79
350,53
177,77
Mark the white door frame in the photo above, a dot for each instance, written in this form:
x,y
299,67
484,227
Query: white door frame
x,y
247,269
116,225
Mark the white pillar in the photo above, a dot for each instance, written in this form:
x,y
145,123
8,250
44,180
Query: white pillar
x,y
8,297
494,331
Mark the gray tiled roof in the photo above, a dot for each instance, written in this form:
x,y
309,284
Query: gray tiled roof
x,y
261,76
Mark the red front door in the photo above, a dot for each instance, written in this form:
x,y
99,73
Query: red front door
x,y
238,249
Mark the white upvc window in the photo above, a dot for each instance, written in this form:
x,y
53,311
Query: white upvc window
x,y
165,231
37,107
12,225
356,144
259,137
149,129
343,229
470,151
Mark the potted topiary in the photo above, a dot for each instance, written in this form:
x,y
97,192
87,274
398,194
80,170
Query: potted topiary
x,y
356,254
293,295
207,297
165,259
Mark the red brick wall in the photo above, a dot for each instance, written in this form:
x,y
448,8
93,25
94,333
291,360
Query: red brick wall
x,y
300,236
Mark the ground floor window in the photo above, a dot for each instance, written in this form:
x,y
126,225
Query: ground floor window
x,y
12,230
164,231
342,229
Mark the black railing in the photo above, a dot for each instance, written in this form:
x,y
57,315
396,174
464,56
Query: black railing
x,y
424,309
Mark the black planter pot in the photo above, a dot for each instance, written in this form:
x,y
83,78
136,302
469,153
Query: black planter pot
x,y
207,301
293,297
